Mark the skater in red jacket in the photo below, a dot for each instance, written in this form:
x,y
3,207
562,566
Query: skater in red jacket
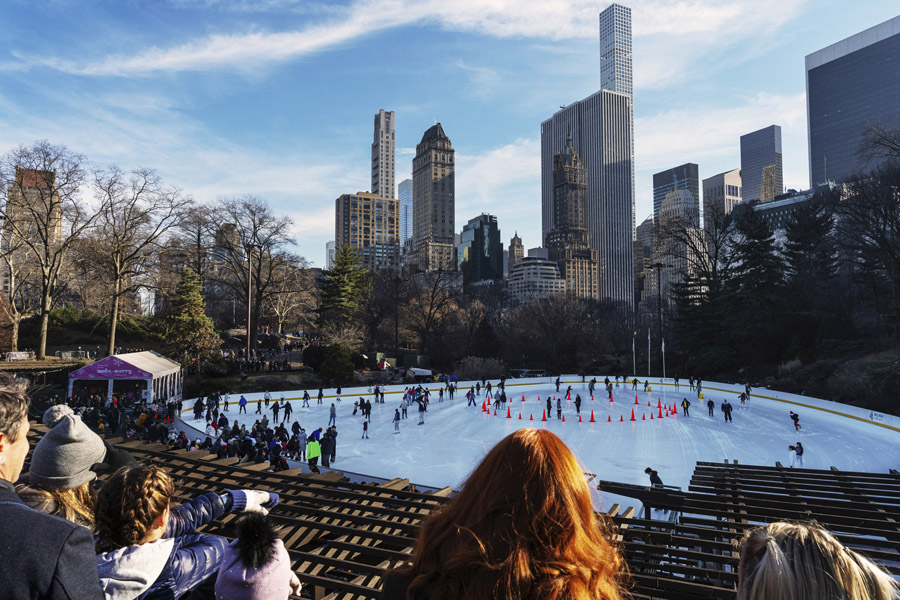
x,y
796,419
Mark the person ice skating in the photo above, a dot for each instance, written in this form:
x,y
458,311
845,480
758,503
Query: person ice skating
x,y
796,419
478,388
578,404
592,385
699,387
267,397
799,450
259,406
676,383
549,542
338,392
365,433
634,383
691,383
275,408
606,383
287,410
559,408
793,451
743,398
569,393
225,399
549,406
396,420
321,395
421,413
313,452
711,406
685,405
747,390
332,416
242,405
654,477
557,385
726,408
646,385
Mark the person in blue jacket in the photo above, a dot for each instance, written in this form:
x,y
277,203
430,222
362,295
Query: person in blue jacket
x,y
149,550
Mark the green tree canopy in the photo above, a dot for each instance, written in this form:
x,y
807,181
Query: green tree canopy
x,y
191,336
346,288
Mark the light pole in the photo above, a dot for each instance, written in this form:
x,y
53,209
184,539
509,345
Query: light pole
x,y
659,267
250,248
633,353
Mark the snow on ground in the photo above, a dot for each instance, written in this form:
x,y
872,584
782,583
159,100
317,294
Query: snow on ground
x,y
455,437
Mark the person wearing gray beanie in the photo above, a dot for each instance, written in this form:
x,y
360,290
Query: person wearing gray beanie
x,y
63,465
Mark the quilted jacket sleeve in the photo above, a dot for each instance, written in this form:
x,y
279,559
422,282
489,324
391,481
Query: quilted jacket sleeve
x,y
187,517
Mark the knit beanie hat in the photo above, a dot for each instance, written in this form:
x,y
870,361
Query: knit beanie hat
x,y
62,459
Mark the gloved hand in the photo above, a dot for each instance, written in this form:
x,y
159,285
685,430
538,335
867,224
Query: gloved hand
x,y
295,585
253,501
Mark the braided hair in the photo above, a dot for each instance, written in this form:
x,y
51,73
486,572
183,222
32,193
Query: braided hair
x,y
128,505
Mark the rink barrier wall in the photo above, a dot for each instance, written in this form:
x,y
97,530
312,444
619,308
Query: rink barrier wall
x,y
863,415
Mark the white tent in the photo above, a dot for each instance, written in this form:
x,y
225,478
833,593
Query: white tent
x,y
163,377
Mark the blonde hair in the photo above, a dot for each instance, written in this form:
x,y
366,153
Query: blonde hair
x,y
75,504
802,561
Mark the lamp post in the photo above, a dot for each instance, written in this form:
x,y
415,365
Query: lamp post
x,y
250,248
633,353
659,267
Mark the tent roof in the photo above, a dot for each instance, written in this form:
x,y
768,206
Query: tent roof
x,y
132,365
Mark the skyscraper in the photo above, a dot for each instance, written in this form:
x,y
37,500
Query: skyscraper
x,y
615,65
567,242
434,202
761,171
383,155
720,193
369,223
480,251
850,85
405,196
600,126
682,177
516,252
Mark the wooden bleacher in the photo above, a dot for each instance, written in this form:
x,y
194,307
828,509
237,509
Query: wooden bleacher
x,y
342,535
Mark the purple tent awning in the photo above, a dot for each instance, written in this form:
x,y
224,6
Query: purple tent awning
x,y
110,367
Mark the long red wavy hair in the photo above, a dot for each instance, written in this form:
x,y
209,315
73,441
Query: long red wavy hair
x,y
523,527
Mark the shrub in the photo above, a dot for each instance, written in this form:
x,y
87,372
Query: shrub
x,y
337,365
313,356
789,367
474,367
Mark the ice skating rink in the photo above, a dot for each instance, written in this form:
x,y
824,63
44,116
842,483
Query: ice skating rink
x,y
455,437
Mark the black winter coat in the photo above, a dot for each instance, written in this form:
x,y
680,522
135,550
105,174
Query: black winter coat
x,y
43,557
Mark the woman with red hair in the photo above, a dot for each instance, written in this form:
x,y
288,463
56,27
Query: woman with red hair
x,y
523,527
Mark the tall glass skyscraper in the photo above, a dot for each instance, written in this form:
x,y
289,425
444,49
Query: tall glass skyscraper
x,y
761,170
850,85
405,196
682,177
615,65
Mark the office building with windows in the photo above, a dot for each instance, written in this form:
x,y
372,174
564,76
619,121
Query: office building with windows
x,y
720,194
515,253
405,196
850,85
383,155
371,224
761,171
434,204
682,177
480,251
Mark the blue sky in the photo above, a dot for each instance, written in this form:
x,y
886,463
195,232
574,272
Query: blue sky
x,y
276,98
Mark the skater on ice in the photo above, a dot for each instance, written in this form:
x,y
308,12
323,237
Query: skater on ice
x,y
796,419
711,406
726,408
685,405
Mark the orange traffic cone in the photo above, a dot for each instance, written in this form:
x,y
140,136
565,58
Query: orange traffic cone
x,y
520,416
632,414
508,414
579,418
592,416
544,417
495,412
484,407
635,400
660,413
643,417
651,416
523,397
648,404
659,402
609,419
531,418
564,418
621,418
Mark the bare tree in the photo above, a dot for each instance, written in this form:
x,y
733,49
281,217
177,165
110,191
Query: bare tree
x,y
137,212
880,142
250,247
432,302
23,296
44,209
293,298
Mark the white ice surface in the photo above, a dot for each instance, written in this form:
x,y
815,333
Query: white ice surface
x,y
455,437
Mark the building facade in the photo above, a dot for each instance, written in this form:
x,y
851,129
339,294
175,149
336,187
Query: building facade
x,y
600,126
330,250
850,85
720,195
480,251
673,255
567,242
533,278
371,224
682,177
761,170
434,201
405,196
383,155
515,253
616,66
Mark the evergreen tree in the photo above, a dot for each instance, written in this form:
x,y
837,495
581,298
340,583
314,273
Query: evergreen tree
x,y
337,366
346,288
191,336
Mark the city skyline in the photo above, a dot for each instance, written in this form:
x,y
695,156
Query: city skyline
x,y
225,99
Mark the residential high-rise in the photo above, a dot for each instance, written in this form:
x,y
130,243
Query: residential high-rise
x,y
682,177
761,170
534,278
516,252
674,254
720,194
383,155
616,65
600,126
480,251
567,242
371,224
330,250
850,85
434,202
405,195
